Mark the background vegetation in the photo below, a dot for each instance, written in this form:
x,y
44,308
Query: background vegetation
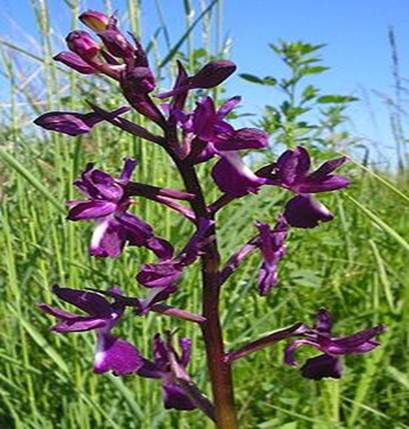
x,y
355,266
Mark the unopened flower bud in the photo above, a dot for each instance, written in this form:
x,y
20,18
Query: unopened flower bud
x,y
75,62
94,20
71,123
82,44
212,74
117,44
140,80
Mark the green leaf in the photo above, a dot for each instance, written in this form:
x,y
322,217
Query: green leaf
x,y
326,99
269,80
304,71
252,78
309,92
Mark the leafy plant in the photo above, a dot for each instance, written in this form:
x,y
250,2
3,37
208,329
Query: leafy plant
x,y
305,115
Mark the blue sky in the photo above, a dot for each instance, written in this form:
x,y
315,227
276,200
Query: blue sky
x,y
355,33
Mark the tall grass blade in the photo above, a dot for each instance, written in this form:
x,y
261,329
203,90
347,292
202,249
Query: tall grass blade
x,y
173,51
12,162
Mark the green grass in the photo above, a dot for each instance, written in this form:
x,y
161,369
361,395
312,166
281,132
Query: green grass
x,y
355,266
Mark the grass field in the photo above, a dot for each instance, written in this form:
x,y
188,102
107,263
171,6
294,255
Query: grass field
x,y
356,266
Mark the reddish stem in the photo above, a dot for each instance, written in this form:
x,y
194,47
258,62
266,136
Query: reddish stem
x,y
219,369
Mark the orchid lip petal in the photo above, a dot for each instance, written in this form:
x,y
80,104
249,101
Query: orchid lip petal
x,y
233,177
303,211
322,366
116,355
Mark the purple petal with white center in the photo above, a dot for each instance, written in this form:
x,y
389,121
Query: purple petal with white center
x,y
174,397
93,209
108,239
322,366
303,211
233,177
116,355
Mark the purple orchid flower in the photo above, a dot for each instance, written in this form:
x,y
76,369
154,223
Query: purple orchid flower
x,y
208,125
168,366
319,337
292,172
161,277
206,133
112,353
108,205
73,123
273,248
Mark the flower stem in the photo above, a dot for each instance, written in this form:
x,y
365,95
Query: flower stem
x,y
219,369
